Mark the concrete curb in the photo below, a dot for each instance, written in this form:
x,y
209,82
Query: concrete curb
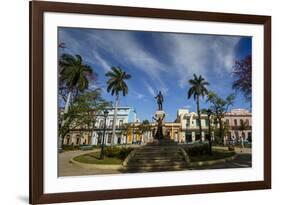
x,y
129,157
186,157
212,162
96,166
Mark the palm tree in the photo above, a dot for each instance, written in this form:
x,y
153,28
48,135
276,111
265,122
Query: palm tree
x,y
74,75
209,113
198,90
116,84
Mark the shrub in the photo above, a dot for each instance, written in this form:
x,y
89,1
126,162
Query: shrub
x,y
112,151
116,152
124,152
70,147
95,146
197,149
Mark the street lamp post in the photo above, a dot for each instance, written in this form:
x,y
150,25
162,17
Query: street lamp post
x,y
105,113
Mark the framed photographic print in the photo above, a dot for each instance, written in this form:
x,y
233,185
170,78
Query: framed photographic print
x,y
139,102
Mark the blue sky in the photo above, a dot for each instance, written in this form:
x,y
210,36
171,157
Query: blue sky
x,y
159,61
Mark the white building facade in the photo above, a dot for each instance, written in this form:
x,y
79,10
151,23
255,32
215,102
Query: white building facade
x,y
190,125
239,122
124,115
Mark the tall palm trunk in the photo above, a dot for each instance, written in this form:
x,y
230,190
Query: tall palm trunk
x,y
114,119
210,137
199,116
66,108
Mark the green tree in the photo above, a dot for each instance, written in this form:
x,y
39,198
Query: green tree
x,y
116,83
82,113
219,107
209,114
198,89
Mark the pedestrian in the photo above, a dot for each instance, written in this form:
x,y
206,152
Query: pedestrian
x,y
242,144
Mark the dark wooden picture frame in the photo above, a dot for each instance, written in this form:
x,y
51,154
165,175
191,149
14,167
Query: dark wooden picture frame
x,y
37,9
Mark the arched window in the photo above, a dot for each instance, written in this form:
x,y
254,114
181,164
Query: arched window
x,y
243,135
99,137
77,139
67,139
247,122
109,136
241,122
235,122
249,136
101,124
227,121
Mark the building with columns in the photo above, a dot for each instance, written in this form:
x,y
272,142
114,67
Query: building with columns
x,y
190,125
185,128
239,122
125,115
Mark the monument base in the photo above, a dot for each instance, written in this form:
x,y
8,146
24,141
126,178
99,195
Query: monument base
x,y
159,114
164,141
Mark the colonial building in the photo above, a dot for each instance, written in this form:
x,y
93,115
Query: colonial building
x,y
189,123
239,122
185,129
125,115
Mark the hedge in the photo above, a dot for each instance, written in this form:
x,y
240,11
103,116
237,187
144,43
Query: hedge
x,y
197,149
120,153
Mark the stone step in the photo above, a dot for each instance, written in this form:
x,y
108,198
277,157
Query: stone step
x,y
158,155
157,168
160,149
142,161
157,160
155,164
156,151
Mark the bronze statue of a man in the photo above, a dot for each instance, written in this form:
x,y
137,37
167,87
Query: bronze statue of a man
x,y
160,100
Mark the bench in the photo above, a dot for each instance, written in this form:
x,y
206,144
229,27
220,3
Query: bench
x,y
86,147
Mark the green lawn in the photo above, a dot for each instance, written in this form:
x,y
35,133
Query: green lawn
x,y
93,158
217,154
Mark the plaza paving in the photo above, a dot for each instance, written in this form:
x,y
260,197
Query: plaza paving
x,y
68,169
243,160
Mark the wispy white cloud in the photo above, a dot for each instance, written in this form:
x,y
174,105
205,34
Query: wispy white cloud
x,y
150,90
124,48
187,54
200,54
104,64
139,96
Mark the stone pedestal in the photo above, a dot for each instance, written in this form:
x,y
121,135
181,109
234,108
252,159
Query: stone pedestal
x,y
160,114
